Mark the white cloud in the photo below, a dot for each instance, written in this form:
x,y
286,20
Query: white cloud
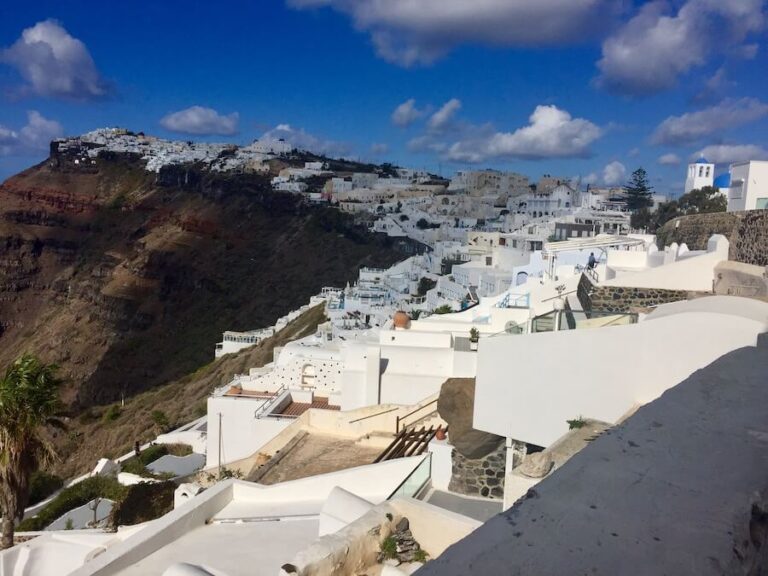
x,y
440,119
201,121
406,113
693,126
379,148
656,47
614,174
299,138
35,136
729,153
55,64
410,32
552,133
591,179
669,160
427,143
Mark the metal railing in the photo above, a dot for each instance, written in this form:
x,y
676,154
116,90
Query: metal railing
x,y
269,403
373,415
411,413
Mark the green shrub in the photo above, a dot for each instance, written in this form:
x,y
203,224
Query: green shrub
x,y
444,309
112,413
420,556
389,547
42,485
143,502
576,423
159,418
72,497
138,465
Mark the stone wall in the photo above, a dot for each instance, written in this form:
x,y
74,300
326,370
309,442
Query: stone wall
x,y
620,299
479,476
747,233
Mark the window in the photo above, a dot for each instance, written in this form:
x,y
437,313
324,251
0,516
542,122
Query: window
x,y
488,260
701,171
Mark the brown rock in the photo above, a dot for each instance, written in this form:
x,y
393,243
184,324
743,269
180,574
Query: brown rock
x,y
536,465
456,405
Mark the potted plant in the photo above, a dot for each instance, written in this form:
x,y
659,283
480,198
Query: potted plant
x,y
474,336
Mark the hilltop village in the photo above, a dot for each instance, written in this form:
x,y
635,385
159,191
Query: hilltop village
x,y
440,407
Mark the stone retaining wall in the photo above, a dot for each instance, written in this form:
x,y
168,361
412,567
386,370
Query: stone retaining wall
x,y
479,476
620,299
747,233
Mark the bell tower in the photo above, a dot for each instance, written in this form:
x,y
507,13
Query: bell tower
x,y
700,174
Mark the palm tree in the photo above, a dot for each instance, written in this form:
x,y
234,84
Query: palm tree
x,y
29,401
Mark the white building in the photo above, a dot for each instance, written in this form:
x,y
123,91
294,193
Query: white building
x,y
700,174
271,146
529,386
748,188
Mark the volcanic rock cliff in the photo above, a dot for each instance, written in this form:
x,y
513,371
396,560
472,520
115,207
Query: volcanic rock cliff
x,y
126,278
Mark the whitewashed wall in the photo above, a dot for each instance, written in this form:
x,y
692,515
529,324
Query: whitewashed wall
x,y
529,385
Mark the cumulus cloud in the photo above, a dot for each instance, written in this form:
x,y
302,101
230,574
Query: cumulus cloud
x,y
614,173
656,47
669,160
591,179
35,136
729,153
406,113
201,121
299,138
440,119
409,32
55,64
551,133
693,126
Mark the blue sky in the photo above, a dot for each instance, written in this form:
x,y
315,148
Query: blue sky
x,y
593,88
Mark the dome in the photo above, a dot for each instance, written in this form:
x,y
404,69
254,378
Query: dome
x,y
702,160
401,320
723,181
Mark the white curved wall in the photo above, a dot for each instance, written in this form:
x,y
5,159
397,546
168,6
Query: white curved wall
x,y
529,385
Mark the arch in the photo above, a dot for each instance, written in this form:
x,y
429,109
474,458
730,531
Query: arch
x,y
308,375
521,278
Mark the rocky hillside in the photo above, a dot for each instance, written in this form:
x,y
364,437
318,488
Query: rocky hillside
x,y
127,278
112,430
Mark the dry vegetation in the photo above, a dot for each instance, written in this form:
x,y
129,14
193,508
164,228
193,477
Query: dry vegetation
x,y
93,434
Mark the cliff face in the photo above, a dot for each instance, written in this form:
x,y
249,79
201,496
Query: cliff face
x,y
126,278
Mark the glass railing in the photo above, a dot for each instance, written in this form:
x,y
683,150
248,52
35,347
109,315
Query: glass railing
x,y
579,320
569,320
416,480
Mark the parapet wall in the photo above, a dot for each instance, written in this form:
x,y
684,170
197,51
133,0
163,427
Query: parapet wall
x,y
747,233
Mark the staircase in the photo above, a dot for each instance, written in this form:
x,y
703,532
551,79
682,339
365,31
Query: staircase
x,y
409,442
